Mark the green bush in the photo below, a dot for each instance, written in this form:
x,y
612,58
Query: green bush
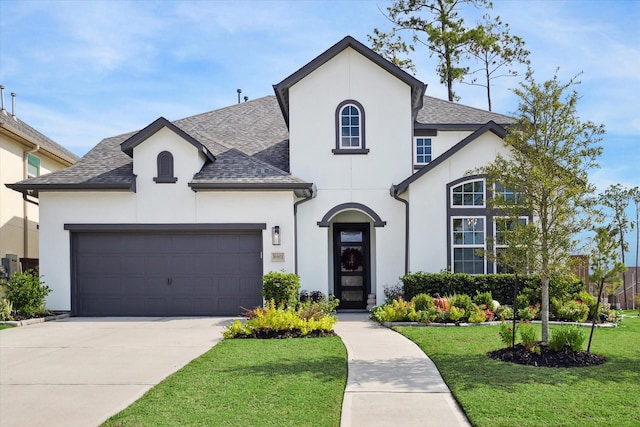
x,y
422,302
588,299
462,301
483,298
506,334
527,335
477,315
275,319
500,285
529,313
456,314
504,313
281,287
27,292
574,311
6,308
398,311
571,336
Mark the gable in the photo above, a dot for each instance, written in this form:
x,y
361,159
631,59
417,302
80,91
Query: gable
x,y
282,89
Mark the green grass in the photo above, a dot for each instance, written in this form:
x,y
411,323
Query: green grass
x,y
249,382
494,393
5,327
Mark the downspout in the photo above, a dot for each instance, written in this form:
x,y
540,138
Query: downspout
x,y
25,219
295,224
394,193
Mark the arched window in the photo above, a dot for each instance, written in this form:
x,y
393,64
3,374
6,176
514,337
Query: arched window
x,y
350,128
469,193
165,168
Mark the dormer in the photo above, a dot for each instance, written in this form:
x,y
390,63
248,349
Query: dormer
x,y
165,154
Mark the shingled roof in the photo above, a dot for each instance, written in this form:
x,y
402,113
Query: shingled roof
x,y
250,144
19,128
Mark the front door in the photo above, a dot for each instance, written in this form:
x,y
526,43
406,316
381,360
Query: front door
x,y
351,264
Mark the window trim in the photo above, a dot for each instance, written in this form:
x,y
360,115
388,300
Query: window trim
x,y
416,163
37,162
495,244
461,184
165,171
474,246
339,149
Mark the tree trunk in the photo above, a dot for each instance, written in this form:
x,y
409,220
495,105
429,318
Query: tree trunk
x,y
544,309
624,276
515,310
488,88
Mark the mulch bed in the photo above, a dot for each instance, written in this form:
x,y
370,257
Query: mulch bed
x,y
566,358
288,334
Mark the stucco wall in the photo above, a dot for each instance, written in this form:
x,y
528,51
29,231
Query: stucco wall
x,y
428,201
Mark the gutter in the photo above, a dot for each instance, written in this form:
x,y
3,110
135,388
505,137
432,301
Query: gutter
x,y
25,219
312,194
393,192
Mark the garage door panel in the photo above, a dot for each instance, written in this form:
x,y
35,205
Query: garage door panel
x,y
166,273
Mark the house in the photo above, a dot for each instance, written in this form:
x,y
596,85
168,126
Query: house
x,y
24,153
349,176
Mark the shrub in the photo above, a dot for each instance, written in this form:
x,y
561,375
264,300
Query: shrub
x,y
574,311
637,299
529,313
607,314
477,315
462,301
571,336
455,313
398,311
527,335
588,299
504,313
422,302
483,298
281,287
6,308
506,334
392,293
317,308
27,291
277,319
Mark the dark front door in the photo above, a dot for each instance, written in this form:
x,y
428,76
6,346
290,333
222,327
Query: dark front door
x,y
351,264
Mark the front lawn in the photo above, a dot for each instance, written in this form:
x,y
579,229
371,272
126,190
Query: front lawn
x,y
494,393
249,382
4,326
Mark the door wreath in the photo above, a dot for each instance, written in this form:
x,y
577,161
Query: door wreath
x,y
351,259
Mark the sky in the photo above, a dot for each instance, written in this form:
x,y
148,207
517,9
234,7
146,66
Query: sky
x,y
86,70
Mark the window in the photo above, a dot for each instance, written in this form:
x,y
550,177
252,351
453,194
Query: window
x,y
467,238
423,150
33,166
165,169
350,127
508,195
502,228
470,193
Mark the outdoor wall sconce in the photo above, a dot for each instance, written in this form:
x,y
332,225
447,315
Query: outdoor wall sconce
x,y
275,235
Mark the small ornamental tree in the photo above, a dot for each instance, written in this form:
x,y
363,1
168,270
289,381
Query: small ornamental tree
x,y
27,292
551,154
605,266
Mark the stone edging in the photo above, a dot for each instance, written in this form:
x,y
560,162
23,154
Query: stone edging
x,y
27,322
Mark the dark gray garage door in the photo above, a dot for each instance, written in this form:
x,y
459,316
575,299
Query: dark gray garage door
x,y
166,273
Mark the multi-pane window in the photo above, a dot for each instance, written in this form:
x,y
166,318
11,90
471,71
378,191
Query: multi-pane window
x,y
350,136
502,228
468,236
506,194
423,150
470,193
33,166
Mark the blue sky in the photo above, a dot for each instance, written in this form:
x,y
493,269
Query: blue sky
x,y
86,70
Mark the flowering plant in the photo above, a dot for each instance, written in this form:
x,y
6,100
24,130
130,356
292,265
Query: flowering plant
x,y
529,313
506,334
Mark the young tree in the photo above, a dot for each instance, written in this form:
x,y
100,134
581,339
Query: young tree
x,y
635,196
551,153
605,266
497,51
616,198
435,24
392,47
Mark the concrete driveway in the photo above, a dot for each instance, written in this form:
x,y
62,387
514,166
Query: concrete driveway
x,y
80,371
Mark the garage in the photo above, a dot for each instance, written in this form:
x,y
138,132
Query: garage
x,y
158,271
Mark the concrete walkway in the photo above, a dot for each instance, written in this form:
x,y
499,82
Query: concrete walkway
x,y
391,382
80,371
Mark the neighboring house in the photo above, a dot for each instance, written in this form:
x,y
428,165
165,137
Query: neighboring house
x,y
24,153
349,176
632,285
